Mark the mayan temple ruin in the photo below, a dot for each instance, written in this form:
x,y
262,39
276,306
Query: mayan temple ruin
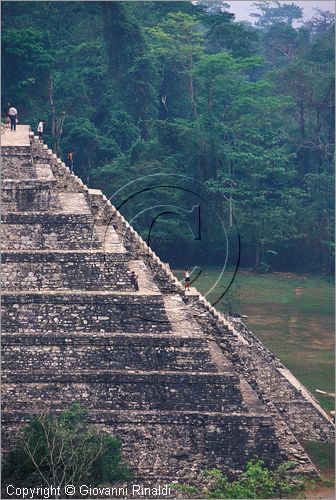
x,y
183,386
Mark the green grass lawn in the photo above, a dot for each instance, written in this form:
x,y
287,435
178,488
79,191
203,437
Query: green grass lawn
x,y
322,454
293,315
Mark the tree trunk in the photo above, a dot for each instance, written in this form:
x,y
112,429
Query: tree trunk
x,y
191,87
59,131
52,106
56,126
302,120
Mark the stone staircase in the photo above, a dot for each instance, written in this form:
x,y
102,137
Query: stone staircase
x,y
161,371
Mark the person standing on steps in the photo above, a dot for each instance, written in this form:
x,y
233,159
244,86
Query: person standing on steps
x,y
12,112
70,161
186,276
134,281
40,130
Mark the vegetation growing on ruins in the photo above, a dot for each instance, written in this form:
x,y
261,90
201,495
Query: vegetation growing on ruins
x,y
58,450
182,88
255,482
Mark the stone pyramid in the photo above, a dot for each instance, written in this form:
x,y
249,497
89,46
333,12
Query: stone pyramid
x,y
184,387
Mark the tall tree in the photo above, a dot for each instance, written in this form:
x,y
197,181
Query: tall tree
x,y
273,12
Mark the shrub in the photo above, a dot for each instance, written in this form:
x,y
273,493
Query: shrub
x,y
256,482
58,450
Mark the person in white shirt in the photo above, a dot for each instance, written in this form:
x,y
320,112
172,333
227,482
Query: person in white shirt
x,y
12,113
40,130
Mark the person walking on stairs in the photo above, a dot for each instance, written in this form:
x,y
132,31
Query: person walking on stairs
x,y
40,130
70,161
12,112
186,276
134,281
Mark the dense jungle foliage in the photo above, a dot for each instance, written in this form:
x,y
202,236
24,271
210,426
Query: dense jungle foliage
x,y
221,124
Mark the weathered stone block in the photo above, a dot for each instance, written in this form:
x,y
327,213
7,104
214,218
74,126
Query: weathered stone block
x,y
109,390
106,352
63,270
87,312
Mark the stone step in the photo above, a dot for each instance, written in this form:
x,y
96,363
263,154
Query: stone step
x,y
43,174
35,194
66,271
51,218
40,157
15,151
48,236
85,311
145,282
113,390
114,352
25,231
152,416
52,255
95,337
250,397
17,139
18,196
26,184
17,165
180,315
74,203
109,238
68,204
106,416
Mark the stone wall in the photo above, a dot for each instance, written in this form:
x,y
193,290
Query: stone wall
x,y
46,231
302,413
141,391
18,164
106,352
180,445
90,312
65,271
30,196
194,442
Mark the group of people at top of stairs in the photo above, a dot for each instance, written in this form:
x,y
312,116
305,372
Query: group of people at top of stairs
x,y
11,120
